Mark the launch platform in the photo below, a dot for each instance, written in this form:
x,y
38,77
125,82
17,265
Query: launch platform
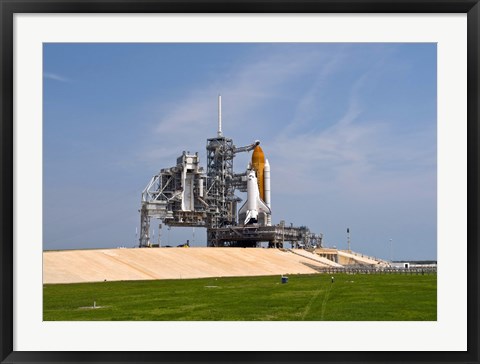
x,y
276,236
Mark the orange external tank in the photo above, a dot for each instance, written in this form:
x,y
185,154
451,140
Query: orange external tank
x,y
258,164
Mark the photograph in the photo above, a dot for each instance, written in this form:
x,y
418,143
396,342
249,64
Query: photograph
x,y
250,182
239,181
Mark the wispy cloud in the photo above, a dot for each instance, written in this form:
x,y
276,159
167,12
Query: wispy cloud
x,y
252,83
55,77
354,156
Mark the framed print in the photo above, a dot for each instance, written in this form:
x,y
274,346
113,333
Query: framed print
x,y
367,113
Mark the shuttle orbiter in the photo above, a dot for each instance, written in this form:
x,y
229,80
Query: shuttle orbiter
x,y
254,203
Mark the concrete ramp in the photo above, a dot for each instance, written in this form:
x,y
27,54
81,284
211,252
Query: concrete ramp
x,y
359,259
70,266
316,257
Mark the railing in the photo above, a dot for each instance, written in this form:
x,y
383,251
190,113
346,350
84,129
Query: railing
x,y
375,270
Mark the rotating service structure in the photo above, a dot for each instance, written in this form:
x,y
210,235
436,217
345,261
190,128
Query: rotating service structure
x,y
175,196
185,195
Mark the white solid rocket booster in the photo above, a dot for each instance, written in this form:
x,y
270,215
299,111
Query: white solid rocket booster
x,y
266,181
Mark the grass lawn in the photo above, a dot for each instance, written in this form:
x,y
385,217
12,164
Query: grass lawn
x,y
359,297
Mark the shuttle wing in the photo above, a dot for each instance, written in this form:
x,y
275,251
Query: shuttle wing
x,y
243,209
262,207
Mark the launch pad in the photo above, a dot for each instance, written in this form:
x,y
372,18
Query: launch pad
x,y
186,196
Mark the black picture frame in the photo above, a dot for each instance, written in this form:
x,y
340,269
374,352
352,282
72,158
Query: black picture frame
x,y
10,7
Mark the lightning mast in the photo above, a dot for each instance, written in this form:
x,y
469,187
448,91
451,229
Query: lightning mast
x,y
219,133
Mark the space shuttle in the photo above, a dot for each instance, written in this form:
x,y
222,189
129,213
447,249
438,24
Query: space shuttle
x,y
254,203
258,189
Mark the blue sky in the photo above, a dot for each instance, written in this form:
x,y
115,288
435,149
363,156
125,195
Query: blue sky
x,y
349,130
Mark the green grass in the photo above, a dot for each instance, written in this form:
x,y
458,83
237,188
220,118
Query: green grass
x,y
359,297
